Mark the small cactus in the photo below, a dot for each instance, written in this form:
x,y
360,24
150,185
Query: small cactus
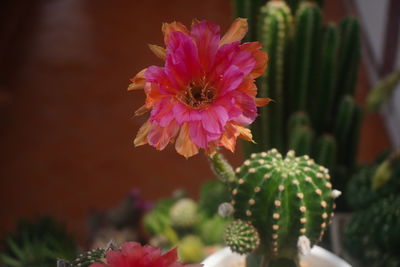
x,y
191,249
90,257
241,237
283,199
184,213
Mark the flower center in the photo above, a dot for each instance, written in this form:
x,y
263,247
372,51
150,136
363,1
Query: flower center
x,y
198,96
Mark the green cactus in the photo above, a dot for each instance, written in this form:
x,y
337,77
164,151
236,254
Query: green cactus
x,y
349,56
374,182
191,249
307,28
212,230
184,213
325,79
325,151
373,234
89,257
311,73
212,194
288,201
301,140
274,33
242,237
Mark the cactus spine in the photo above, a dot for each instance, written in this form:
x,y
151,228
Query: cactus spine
x,y
287,200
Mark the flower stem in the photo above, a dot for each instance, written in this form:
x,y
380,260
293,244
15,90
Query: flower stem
x,y
221,167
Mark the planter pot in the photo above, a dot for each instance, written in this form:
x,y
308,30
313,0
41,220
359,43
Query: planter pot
x,y
318,257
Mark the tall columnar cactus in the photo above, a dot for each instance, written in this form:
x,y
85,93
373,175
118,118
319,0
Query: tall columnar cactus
x,y
285,203
303,54
311,78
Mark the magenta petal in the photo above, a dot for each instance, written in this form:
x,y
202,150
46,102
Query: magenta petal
x,y
227,101
182,58
223,59
206,35
198,134
184,114
248,107
162,112
245,61
230,80
214,119
158,75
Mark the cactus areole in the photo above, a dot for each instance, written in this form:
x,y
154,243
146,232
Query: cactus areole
x,y
288,201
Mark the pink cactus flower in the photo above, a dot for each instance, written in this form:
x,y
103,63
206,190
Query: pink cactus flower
x,y
134,255
205,94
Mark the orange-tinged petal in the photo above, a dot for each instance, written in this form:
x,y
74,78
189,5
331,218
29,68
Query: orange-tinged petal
x,y
184,144
248,87
245,133
141,137
260,56
236,32
142,110
168,28
159,51
260,102
138,81
228,139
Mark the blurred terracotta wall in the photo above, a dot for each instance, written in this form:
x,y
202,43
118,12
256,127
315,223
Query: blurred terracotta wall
x,y
66,117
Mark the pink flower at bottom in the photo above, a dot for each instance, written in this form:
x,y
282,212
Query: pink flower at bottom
x,y
205,94
132,254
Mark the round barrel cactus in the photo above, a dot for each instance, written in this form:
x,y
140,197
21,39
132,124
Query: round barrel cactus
x,y
289,201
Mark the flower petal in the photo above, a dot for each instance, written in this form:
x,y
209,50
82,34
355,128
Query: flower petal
x,y
260,102
168,28
159,137
259,56
182,59
158,51
184,144
197,134
138,81
206,35
214,119
230,80
184,114
236,32
228,139
141,137
245,133
248,106
162,112
155,74
142,110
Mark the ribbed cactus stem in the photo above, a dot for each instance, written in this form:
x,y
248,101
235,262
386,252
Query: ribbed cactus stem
x,y
249,9
297,119
349,56
343,124
287,200
323,97
303,54
274,32
301,140
325,151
